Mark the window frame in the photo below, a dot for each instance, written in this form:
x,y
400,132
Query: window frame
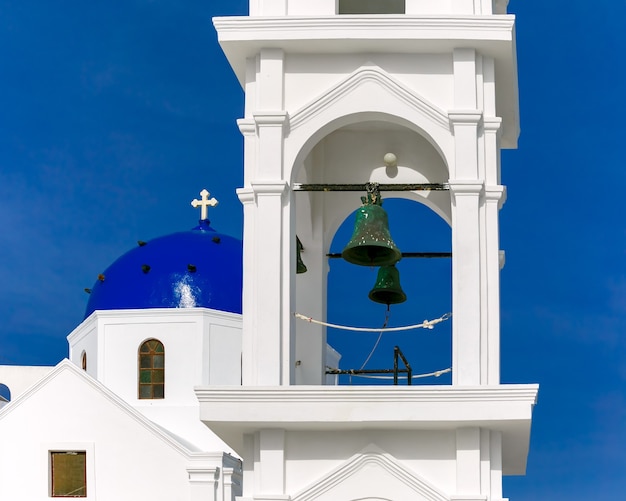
x,y
151,376
52,476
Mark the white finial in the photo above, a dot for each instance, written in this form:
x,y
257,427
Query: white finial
x,y
390,160
204,203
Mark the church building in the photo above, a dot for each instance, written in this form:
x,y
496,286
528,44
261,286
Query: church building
x,y
194,377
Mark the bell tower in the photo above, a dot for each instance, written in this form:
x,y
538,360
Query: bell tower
x,y
415,97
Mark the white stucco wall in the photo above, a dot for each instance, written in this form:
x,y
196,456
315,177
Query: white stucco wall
x,y
202,347
18,378
126,458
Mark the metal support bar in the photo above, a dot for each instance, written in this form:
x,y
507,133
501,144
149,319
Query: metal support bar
x,y
355,372
398,353
364,187
336,255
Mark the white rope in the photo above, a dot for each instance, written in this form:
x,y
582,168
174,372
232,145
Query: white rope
x,y
417,376
380,336
426,324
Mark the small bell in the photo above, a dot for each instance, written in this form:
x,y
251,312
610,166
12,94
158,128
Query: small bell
x,y
371,243
387,289
300,266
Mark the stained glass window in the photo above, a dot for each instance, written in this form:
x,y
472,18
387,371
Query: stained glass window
x,y
68,471
151,370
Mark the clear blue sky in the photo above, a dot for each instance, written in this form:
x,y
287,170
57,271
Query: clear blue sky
x,y
114,114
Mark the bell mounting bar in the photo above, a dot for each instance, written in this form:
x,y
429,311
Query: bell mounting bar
x,y
336,255
368,186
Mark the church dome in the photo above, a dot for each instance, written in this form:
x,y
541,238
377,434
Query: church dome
x,y
195,268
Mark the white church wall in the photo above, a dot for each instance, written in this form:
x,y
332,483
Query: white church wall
x,y
18,378
311,455
193,339
222,354
127,458
201,346
84,339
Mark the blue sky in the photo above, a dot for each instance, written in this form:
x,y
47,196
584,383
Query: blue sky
x,y
115,114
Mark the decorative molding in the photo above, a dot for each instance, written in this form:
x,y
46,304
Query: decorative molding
x,y
492,124
365,74
271,118
496,194
269,187
245,195
468,497
465,117
461,187
271,497
430,27
357,395
208,474
371,455
247,126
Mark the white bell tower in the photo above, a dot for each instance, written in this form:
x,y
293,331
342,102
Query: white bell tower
x,y
332,86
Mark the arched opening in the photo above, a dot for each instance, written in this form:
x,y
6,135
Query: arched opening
x,y
426,283
355,154
151,370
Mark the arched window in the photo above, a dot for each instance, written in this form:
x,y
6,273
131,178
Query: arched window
x,y
83,361
151,370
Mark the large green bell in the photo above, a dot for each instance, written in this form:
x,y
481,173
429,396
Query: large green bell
x,y
371,243
387,289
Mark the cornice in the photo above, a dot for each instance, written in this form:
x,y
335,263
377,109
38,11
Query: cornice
x,y
493,27
366,394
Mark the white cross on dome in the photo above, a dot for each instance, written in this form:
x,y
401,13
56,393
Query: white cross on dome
x,y
204,204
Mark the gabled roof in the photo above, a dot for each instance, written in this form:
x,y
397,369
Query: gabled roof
x,y
184,448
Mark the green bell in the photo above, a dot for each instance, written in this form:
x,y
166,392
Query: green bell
x,y
371,243
300,266
387,289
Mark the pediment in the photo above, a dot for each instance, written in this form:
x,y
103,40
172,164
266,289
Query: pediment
x,y
370,87
371,475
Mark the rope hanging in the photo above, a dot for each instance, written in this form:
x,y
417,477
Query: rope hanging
x,y
426,324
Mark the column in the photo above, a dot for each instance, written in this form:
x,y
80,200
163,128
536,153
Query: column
x,y
203,483
468,444
466,285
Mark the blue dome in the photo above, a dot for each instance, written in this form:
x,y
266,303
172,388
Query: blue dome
x,y
195,268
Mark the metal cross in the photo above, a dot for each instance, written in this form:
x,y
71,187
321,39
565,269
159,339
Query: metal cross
x,y
204,203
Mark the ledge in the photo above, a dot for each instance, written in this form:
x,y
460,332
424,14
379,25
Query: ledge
x,y
232,412
243,37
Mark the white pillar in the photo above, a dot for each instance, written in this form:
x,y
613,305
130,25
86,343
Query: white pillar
x,y
466,288
203,483
468,465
